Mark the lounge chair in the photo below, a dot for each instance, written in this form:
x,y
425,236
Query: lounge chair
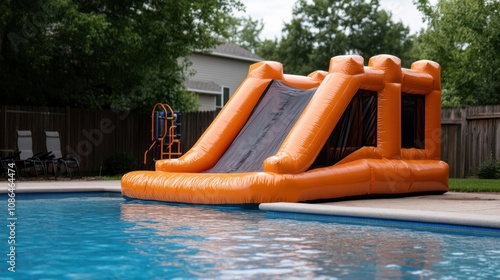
x,y
27,160
70,162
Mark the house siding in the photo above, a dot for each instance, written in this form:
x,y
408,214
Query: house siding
x,y
223,71
225,67
206,102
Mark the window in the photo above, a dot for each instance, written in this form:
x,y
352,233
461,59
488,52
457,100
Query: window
x,y
412,121
221,99
226,93
218,101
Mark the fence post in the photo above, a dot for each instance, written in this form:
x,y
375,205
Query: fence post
x,y
3,120
67,126
464,130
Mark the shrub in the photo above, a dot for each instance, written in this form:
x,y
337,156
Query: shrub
x,y
119,163
489,169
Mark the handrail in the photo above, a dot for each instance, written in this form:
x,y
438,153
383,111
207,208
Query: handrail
x,y
170,116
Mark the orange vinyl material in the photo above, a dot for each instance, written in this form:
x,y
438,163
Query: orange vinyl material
x,y
286,177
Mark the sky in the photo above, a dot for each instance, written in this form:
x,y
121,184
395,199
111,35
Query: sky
x,y
275,12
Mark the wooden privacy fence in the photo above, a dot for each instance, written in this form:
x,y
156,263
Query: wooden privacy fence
x,y
469,135
92,135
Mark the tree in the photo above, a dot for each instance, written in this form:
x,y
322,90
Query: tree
x,y
105,54
463,36
321,29
245,32
269,50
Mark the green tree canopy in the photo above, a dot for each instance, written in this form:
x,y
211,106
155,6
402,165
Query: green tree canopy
x,y
245,32
105,54
463,36
321,29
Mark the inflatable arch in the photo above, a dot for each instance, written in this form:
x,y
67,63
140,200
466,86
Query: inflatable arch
x,y
354,130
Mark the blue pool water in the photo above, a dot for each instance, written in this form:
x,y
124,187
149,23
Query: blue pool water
x,y
111,238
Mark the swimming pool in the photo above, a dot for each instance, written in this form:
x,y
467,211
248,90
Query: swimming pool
x,y
109,237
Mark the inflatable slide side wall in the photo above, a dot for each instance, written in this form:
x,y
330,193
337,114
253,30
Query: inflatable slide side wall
x,y
356,130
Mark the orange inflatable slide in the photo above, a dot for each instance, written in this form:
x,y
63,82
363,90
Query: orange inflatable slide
x,y
352,131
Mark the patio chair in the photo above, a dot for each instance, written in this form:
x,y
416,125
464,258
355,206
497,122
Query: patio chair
x,y
27,160
69,162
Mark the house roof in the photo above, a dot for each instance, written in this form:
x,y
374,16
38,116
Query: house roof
x,y
231,50
203,87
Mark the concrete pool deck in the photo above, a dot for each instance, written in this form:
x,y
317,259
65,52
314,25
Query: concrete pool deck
x,y
469,209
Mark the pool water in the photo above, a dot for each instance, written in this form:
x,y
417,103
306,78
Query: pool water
x,y
112,238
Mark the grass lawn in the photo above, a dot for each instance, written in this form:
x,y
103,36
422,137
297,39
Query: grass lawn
x,y
474,185
108,178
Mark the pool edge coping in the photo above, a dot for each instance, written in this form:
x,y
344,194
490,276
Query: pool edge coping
x,y
437,217
66,190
